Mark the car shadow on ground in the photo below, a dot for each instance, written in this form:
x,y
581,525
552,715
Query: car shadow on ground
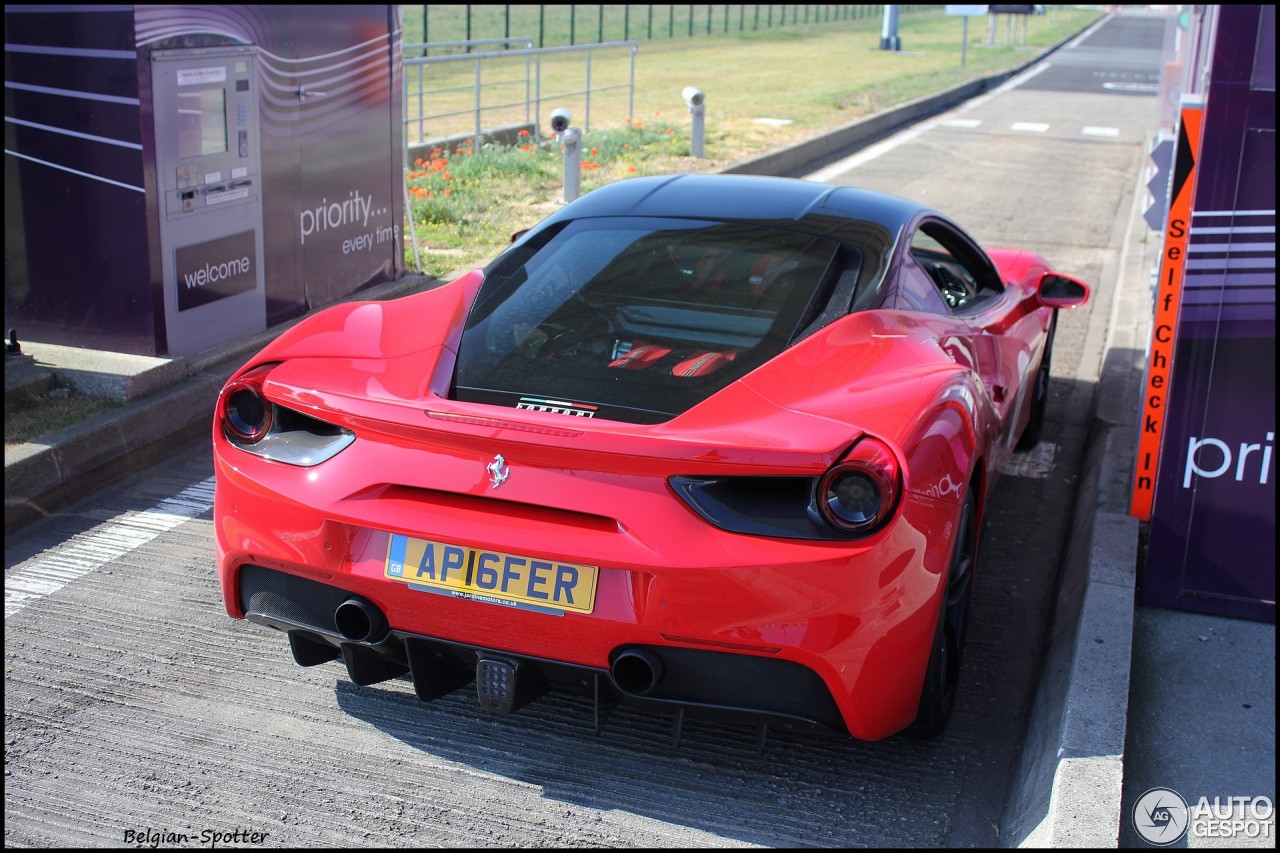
x,y
808,787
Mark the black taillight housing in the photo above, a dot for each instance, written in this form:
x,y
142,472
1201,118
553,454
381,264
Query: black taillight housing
x,y
856,497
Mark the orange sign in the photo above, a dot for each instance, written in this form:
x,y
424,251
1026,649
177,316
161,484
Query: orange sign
x,y
1168,300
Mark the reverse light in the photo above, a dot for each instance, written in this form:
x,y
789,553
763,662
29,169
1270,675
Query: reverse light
x,y
256,425
860,493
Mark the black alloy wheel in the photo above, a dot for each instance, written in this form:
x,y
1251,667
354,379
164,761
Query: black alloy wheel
x,y
941,678
1040,395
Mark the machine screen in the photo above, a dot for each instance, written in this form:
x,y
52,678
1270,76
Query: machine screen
x,y
202,122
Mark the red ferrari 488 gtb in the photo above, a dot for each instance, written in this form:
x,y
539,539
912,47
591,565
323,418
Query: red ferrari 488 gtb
x,y
704,442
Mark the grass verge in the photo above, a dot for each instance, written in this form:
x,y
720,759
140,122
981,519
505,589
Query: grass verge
x,y
764,90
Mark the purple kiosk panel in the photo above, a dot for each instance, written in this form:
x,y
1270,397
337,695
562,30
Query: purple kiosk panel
x,y
88,258
1213,524
77,264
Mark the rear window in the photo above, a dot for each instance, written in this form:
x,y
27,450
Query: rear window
x,y
639,319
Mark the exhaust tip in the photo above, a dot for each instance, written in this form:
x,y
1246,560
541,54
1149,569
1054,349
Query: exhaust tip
x,y
636,671
359,621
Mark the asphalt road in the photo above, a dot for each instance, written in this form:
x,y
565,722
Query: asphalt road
x,y
136,711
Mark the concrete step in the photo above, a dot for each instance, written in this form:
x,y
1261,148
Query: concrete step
x,y
24,379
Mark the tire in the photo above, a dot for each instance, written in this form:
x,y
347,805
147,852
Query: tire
x,y
938,695
1040,395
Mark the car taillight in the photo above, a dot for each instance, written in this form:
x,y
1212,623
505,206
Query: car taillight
x,y
854,498
860,493
246,414
273,431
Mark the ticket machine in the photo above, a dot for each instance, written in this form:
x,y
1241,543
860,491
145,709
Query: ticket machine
x,y
210,195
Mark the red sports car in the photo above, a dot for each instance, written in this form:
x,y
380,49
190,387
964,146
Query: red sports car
x,y
706,442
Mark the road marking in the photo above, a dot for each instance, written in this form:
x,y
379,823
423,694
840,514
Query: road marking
x,y
870,153
1029,126
1100,131
1036,463
961,122
111,540
1132,87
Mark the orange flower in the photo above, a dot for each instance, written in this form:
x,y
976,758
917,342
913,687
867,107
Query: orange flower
x,y
448,191
418,162
523,132
447,176
471,151
631,169
626,146
670,131
595,152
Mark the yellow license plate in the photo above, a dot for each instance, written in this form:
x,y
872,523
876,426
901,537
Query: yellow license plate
x,y
491,576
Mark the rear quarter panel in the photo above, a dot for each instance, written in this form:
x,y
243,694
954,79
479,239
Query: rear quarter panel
x,y
884,373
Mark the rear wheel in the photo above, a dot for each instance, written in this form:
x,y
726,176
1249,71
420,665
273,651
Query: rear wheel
x,y
940,680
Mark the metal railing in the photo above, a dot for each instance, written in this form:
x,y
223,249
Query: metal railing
x,y
576,24
420,125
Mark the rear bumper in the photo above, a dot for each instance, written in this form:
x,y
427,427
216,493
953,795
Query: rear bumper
x,y
831,633
654,677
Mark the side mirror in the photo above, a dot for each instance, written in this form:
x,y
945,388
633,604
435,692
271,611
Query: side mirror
x,y
518,234
1061,291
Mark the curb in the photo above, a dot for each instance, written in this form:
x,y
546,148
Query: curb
x,y
41,478
1068,784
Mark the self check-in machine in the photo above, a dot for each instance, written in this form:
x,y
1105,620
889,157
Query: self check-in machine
x,y
179,177
208,167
